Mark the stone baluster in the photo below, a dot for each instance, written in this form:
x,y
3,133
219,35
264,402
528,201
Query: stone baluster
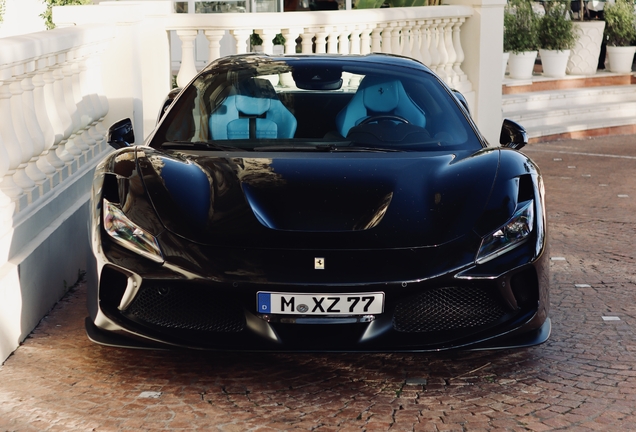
x,y
450,49
56,122
65,117
425,42
91,99
334,40
307,43
365,38
354,40
397,37
432,46
214,43
241,38
408,38
6,205
48,163
32,114
16,184
387,38
343,40
416,40
75,144
268,35
94,65
28,147
290,35
84,110
188,68
376,38
463,79
321,37
441,49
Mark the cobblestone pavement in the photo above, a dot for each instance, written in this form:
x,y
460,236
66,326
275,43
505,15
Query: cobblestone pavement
x,y
583,378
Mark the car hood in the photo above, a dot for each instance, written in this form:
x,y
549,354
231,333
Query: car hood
x,y
321,200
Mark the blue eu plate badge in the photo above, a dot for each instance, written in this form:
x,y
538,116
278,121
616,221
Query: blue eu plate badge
x,y
264,302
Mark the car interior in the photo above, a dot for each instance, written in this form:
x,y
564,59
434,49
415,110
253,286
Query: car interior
x,y
372,109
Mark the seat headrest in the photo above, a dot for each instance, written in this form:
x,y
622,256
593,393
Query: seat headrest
x,y
380,95
254,96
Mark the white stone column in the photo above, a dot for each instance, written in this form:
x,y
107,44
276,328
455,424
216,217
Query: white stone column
x,y
482,42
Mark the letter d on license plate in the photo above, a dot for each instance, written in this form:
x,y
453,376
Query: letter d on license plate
x,y
320,304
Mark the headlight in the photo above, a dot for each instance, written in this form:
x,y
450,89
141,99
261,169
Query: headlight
x,y
515,232
128,234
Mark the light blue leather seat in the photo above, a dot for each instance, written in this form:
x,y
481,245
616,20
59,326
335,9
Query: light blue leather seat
x,y
379,96
252,111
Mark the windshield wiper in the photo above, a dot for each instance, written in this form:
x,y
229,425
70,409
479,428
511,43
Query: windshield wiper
x,y
197,145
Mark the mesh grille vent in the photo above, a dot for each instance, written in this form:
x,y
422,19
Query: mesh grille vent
x,y
447,309
186,308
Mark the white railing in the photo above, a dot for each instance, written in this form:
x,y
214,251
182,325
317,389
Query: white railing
x,y
430,34
51,104
51,109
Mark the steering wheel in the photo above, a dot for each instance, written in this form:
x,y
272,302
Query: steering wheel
x,y
379,117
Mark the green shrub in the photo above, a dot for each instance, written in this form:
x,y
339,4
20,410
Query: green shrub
x,y
48,15
556,30
520,27
619,23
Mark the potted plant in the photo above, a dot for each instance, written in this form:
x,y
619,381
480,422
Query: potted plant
x,y
556,38
520,38
584,55
620,34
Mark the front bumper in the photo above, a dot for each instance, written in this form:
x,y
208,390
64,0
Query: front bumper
x,y
462,309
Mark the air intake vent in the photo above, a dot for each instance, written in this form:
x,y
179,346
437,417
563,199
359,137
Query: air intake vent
x,y
183,307
447,309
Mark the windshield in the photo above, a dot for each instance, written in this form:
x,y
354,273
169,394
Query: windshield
x,y
302,103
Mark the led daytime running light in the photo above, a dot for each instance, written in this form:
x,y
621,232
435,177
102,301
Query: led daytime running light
x,y
515,232
128,234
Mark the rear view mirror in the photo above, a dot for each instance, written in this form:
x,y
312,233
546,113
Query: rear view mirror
x,y
121,134
513,135
317,79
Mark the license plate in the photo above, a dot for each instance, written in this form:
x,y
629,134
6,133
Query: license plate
x,y
320,304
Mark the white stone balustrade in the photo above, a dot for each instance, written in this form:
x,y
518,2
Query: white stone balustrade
x,y
402,31
48,111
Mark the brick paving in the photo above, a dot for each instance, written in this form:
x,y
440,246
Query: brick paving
x,y
583,378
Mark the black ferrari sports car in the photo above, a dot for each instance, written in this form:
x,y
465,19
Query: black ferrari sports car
x,y
318,203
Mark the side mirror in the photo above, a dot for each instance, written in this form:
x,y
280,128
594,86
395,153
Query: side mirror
x,y
462,99
513,135
121,134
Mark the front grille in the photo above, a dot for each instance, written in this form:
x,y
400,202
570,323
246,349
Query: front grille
x,y
447,309
186,307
